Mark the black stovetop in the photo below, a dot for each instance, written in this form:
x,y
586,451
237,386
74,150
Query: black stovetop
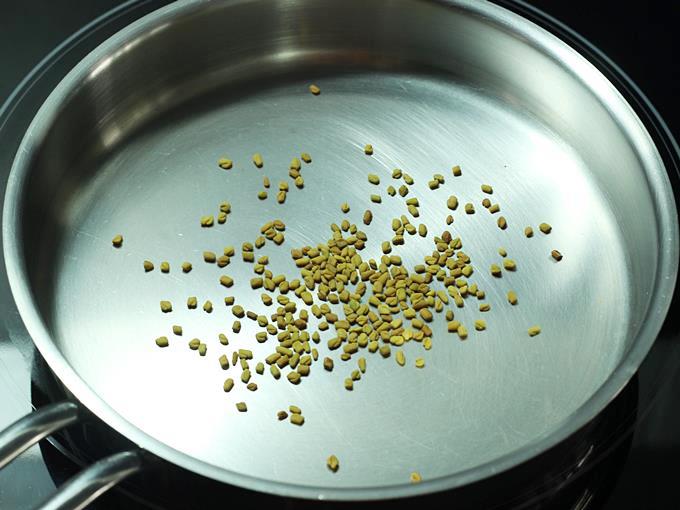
x,y
640,37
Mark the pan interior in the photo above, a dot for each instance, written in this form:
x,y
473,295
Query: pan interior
x,y
151,177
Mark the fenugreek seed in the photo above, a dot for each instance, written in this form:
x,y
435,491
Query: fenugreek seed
x,y
229,300
373,179
261,336
328,364
469,208
487,189
208,307
281,415
408,179
385,351
274,370
228,385
545,228
166,306
449,316
222,218
449,219
148,266
422,230
415,476
456,170
401,358
368,217
333,463
349,384
165,267
314,89
162,341
262,195
209,257
376,199
403,190
117,241
207,221
306,157
295,164
297,419
344,207
386,247
502,224
356,375
439,178
293,377
245,354
281,197
224,163
420,362
299,182
509,264
413,211
396,173
229,251
433,184
484,307
462,332
202,349
502,252
534,330
192,302
391,191
495,270
256,283
362,365
427,343
194,344
480,325
486,203
278,238
257,160
234,358
368,149
238,311
556,255
242,407
494,208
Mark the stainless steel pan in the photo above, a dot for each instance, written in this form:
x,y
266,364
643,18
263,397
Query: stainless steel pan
x,y
128,142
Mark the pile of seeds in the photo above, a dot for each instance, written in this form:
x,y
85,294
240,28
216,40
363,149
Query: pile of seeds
x,y
361,306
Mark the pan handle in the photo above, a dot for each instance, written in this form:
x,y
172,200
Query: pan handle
x,y
86,486
33,427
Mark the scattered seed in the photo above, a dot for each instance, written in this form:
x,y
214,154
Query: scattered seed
x,y
226,281
509,264
192,302
502,252
422,230
328,364
262,195
241,406
486,203
177,330
502,224
165,267
534,330
306,157
368,217
368,149
202,349
415,476
228,385
208,306
117,241
293,377
420,363
349,384
376,199
162,341
373,179
257,160
314,89
484,307
207,221
224,163
449,219
495,270
166,306
282,415
545,228
396,173
148,266
408,179
333,463
457,172
194,344
480,325
401,358
462,332
494,208
469,208
487,189
529,232
344,207
452,202
556,255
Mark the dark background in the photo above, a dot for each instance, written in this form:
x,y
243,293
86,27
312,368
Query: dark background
x,y
643,38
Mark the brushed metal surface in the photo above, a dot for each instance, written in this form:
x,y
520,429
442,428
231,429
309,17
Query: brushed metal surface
x,y
129,142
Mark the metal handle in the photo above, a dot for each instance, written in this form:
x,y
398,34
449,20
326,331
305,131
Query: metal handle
x,y
87,485
30,429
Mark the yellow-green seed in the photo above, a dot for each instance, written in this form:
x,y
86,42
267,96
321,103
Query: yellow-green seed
x,y
495,270
486,203
224,163
396,173
452,202
433,184
295,164
257,160
202,349
282,415
502,223
349,384
162,341
376,199
209,257
306,157
529,232
148,266
228,385
333,463
344,207
556,255
274,370
462,332
401,358
373,179
281,197
449,219
117,241
469,208
177,330
512,297
186,267
262,195
408,179
224,361
545,228
245,376
314,89
226,281
368,217
297,419
494,208
413,211
509,264
293,377
480,325
415,476
328,364
484,307
487,189
420,362
534,330
165,267
208,306
166,306
221,218
194,344
242,407
192,302
238,311
229,251
502,252
368,149
207,221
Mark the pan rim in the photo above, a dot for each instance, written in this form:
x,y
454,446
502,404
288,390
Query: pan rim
x,y
665,277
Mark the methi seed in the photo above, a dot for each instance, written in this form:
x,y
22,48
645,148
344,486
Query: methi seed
x,y
162,341
282,415
494,208
262,195
293,377
480,325
314,89
257,160
462,332
166,306
202,349
502,252
545,228
117,241
238,311
328,364
252,386
415,476
222,218
194,344
495,270
469,208
242,407
362,365
177,330
297,419
368,217
223,261
333,463
509,264
452,202
148,266
229,300
556,255
422,230
344,207
486,203
512,297
408,179
396,173
207,221
487,189
165,267
456,170
420,363
306,157
209,257
224,361
192,302
186,267
401,358
449,219
295,164
349,384
373,179
376,199
226,281
502,224
484,307
368,149
534,330
529,232
224,163
228,385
